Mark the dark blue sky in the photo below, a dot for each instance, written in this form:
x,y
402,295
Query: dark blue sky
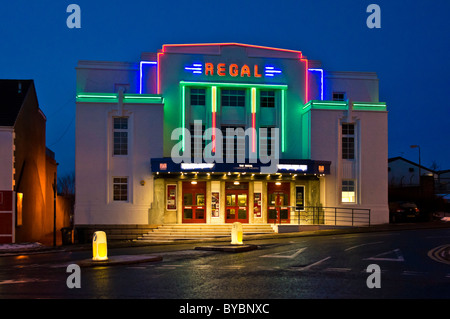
x,y
409,52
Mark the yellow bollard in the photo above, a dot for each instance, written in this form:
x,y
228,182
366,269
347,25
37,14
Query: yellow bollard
x,y
99,246
236,234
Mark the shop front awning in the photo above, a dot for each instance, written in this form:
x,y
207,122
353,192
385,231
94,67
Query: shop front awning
x,y
305,167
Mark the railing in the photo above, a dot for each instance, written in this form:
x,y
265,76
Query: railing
x,y
333,216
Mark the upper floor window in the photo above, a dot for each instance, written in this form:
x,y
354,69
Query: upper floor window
x,y
233,98
120,127
348,141
267,98
198,97
197,142
233,142
267,140
338,96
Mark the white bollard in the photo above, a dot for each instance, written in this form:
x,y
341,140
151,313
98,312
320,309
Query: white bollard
x,y
99,246
236,234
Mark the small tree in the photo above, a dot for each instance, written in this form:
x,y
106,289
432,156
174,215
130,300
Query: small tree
x,y
434,166
66,185
66,190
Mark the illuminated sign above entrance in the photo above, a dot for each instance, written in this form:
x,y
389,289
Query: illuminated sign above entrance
x,y
306,167
232,69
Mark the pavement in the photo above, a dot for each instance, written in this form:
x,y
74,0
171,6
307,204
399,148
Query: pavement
x,y
119,260
214,244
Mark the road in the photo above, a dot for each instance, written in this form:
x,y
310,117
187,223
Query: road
x,y
318,267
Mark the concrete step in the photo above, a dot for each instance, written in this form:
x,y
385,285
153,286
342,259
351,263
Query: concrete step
x,y
213,227
178,236
172,232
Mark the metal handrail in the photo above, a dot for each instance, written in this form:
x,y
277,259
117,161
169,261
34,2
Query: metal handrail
x,y
338,215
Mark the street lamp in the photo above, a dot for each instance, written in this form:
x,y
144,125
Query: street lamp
x,y
417,146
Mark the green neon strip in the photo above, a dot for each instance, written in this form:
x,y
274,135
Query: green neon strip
x,y
143,98
369,106
243,85
97,97
113,98
325,105
246,85
335,105
307,106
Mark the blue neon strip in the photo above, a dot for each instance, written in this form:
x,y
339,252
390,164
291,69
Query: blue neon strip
x,y
195,68
140,72
321,81
271,71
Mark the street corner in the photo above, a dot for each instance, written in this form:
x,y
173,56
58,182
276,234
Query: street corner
x,y
228,248
440,254
120,260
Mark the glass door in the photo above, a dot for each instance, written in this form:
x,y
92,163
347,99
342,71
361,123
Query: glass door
x,y
278,210
194,205
236,203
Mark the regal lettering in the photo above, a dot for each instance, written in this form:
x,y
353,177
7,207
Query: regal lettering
x,y
234,70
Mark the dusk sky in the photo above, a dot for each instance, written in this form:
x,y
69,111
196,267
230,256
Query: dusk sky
x,y
409,52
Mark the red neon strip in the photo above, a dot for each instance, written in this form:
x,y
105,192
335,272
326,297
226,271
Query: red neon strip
x,y
214,131
306,80
254,132
158,79
230,43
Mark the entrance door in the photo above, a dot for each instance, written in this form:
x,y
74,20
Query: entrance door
x,y
194,202
278,210
236,205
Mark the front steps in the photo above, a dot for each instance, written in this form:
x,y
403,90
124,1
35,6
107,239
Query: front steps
x,y
173,232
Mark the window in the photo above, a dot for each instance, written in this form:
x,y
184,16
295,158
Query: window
x,y
120,136
267,140
197,137
348,191
267,98
348,141
198,97
233,142
120,189
338,96
233,98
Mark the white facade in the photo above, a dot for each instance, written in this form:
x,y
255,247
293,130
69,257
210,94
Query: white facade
x,y
368,169
95,163
324,114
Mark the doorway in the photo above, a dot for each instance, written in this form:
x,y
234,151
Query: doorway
x,y
278,210
236,202
194,202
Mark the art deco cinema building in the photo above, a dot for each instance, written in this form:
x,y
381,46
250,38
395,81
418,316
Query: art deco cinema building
x,y
306,146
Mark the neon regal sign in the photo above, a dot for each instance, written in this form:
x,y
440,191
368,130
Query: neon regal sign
x,y
222,69
232,69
